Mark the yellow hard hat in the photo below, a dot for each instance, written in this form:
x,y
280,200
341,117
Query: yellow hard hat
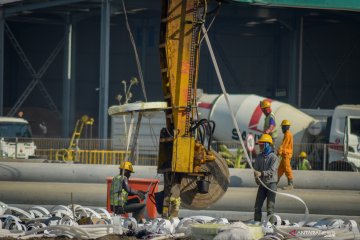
x,y
285,123
127,166
265,104
303,154
265,138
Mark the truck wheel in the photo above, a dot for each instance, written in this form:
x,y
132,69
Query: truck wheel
x,y
342,166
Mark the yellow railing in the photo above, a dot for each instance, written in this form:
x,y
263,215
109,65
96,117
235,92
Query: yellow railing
x,y
85,156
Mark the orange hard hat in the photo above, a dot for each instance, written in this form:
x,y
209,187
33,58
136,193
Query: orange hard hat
x,y
265,104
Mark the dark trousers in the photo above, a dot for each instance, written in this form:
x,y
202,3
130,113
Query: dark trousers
x,y
263,194
132,206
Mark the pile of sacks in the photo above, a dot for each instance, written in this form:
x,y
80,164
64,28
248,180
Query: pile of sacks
x,y
77,221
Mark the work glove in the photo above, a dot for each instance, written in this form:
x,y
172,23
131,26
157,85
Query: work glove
x,y
141,195
257,174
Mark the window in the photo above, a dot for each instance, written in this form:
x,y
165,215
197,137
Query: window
x,y
13,130
355,126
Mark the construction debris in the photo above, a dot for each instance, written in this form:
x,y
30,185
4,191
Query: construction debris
x,y
75,221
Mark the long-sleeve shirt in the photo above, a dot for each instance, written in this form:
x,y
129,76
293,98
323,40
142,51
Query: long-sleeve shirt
x,y
268,165
286,147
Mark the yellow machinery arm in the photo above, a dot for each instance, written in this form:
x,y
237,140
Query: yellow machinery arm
x,y
187,165
68,154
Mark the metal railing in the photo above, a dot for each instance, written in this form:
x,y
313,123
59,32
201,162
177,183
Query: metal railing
x,y
108,151
321,156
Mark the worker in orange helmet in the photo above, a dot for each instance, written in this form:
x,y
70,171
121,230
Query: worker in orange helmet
x,y
269,122
266,169
285,151
120,190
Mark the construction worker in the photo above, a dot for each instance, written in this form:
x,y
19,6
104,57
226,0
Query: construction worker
x,y
20,114
303,163
265,169
269,122
120,190
285,151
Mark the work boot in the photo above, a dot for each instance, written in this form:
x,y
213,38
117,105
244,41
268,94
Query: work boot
x,y
290,185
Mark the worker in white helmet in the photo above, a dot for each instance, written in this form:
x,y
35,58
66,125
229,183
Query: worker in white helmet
x,y
266,169
120,190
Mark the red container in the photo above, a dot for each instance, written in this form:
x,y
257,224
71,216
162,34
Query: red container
x,y
143,185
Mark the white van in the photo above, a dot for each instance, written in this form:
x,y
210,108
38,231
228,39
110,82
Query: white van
x,y
16,138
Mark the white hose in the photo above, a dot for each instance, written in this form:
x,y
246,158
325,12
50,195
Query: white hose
x,y
237,127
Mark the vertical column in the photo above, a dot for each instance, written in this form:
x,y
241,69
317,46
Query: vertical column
x,y
2,48
301,34
104,68
72,119
292,98
67,75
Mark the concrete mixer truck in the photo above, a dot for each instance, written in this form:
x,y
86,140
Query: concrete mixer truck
x,y
340,134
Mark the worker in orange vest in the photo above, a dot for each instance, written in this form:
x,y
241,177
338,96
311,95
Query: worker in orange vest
x,y
285,151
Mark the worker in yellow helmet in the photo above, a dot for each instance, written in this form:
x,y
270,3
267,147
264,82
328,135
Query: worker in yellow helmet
x,y
269,122
285,151
265,169
303,163
120,190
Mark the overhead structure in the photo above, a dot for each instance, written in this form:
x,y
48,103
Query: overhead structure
x,y
347,5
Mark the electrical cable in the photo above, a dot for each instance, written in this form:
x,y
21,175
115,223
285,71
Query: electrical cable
x,y
135,51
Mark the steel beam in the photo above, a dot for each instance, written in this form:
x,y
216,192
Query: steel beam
x,y
104,69
348,5
35,75
67,78
293,64
2,48
34,6
300,61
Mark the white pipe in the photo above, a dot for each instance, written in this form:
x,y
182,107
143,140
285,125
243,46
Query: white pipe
x,y
80,173
328,202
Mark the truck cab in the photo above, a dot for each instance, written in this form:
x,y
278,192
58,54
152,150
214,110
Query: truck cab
x,y
344,136
16,138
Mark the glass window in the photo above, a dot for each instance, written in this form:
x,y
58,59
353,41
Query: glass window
x,y
355,126
13,130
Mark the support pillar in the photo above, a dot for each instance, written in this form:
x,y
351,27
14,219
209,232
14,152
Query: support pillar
x,y
300,53
67,79
2,48
104,69
295,79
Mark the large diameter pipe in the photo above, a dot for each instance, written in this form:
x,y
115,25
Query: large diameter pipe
x,y
81,173
329,202
64,172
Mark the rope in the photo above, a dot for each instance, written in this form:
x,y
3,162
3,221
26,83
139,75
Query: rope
x,y
237,127
136,53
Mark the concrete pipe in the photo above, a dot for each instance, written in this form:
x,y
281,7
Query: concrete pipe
x,y
328,202
79,173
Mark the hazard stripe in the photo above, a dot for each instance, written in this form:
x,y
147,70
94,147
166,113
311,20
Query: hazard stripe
x,y
205,105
